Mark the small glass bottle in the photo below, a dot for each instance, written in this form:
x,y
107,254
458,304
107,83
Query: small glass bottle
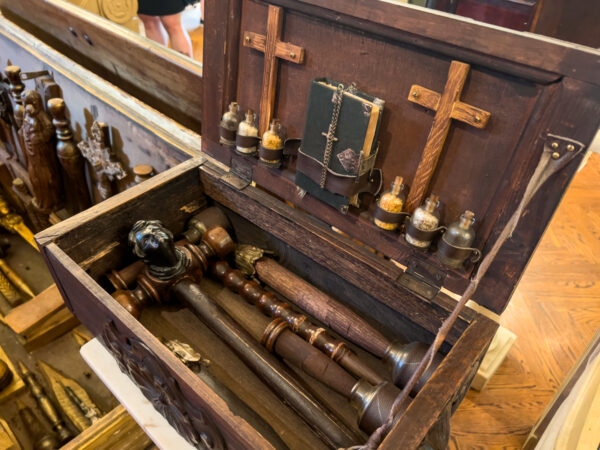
x,y
247,136
455,246
142,172
229,125
271,147
424,223
389,206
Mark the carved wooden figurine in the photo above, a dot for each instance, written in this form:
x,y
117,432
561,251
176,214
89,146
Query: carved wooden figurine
x,y
38,133
70,159
98,151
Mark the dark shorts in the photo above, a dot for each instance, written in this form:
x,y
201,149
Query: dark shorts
x,y
160,7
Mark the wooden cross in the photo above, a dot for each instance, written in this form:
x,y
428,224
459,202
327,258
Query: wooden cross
x,y
274,49
447,107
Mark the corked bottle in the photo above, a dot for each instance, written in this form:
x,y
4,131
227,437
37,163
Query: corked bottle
x,y
424,223
271,148
229,125
455,246
247,135
142,172
388,211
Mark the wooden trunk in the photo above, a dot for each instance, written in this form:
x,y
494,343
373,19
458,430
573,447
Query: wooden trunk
x,y
537,91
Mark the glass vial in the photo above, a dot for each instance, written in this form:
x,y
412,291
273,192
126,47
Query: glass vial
x,y
271,148
455,246
389,206
247,136
229,125
424,223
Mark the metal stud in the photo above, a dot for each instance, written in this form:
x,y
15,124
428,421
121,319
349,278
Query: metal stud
x,y
247,38
415,94
555,145
555,155
477,119
292,55
570,147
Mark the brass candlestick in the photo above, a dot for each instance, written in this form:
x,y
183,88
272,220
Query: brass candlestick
x,y
45,404
40,438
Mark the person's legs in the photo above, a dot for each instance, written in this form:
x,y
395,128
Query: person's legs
x,y
153,28
180,39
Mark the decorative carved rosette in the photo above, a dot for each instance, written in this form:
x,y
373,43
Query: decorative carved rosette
x,y
137,360
119,11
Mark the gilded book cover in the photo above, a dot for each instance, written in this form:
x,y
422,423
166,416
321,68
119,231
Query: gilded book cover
x,y
339,143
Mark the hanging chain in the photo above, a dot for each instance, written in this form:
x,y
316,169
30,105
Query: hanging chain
x,y
339,94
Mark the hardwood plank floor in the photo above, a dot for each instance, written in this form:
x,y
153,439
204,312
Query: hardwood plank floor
x,y
554,313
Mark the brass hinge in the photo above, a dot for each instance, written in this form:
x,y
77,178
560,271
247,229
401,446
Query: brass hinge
x,y
422,279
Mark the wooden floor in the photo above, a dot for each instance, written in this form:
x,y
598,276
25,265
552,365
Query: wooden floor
x,y
554,313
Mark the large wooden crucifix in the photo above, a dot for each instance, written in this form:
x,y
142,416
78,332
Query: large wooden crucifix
x,y
274,49
447,106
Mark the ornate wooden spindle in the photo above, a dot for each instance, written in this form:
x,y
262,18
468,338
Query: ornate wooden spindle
x,y
16,86
400,358
272,306
70,158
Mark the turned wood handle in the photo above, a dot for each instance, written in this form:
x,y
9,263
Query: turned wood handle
x,y
315,302
265,365
288,345
300,324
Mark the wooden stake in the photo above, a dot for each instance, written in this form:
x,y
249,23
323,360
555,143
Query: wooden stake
x,y
274,49
447,106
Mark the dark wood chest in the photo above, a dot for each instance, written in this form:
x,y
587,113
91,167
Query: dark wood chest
x,y
542,97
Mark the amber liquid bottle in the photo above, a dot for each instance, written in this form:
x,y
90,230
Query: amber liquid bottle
x,y
271,149
389,206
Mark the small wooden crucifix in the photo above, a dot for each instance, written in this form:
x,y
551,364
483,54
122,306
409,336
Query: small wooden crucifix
x,y
447,106
274,49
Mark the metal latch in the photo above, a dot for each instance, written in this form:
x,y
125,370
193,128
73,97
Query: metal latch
x,y
422,279
239,175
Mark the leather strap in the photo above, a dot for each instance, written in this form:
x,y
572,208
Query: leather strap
x,y
459,253
388,217
270,156
344,185
246,141
228,135
421,235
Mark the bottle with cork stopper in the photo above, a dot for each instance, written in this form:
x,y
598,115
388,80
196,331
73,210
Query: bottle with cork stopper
x,y
247,135
455,246
424,223
271,148
142,172
229,125
388,211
